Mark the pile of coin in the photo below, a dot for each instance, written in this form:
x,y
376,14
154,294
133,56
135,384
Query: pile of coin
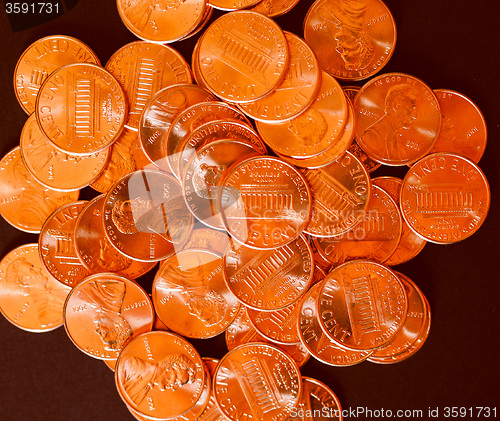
x,y
288,253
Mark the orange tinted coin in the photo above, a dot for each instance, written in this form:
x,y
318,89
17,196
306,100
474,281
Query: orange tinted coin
x,y
445,198
231,4
397,119
353,40
30,298
243,56
274,8
208,239
81,109
40,59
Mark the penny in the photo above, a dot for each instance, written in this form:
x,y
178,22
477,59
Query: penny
x,y
243,56
162,21
126,156
202,176
410,244
208,239
316,341
190,295
257,381
315,130
207,15
318,274
445,198
81,109
211,411
269,279
30,298
145,217
375,237
95,250
362,305
24,202
144,68
265,202
295,92
340,194
55,169
160,112
415,330
353,40
463,128
188,121
319,260
216,130
103,312
229,5
397,119
274,8
195,65
160,375
40,59
57,245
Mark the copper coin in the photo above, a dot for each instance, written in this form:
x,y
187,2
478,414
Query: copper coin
x,y
265,202
318,274
161,21
104,312
188,121
397,119
375,237
211,411
145,216
216,130
202,176
55,169
207,15
40,59
24,202
81,108
160,375
257,381
319,260
317,403
415,330
57,245
410,243
231,4
297,90
353,40
316,341
160,112
274,8
208,239
340,194
445,198
463,128
278,326
269,279
243,56
190,295
195,65
126,156
95,250
30,298
142,69
315,130
362,305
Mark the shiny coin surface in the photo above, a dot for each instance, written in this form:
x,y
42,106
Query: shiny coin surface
x,y
445,198
274,8
190,295
265,202
30,298
397,119
55,169
81,109
353,40
243,56
367,162
257,381
104,312
145,216
24,202
269,279
208,239
362,305
231,4
43,57
160,375
211,411
144,68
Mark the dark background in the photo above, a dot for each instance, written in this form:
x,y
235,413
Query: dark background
x,y
451,44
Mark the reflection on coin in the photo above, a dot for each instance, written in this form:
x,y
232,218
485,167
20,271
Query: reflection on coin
x,y
104,312
40,59
208,239
211,411
231,4
30,298
274,8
